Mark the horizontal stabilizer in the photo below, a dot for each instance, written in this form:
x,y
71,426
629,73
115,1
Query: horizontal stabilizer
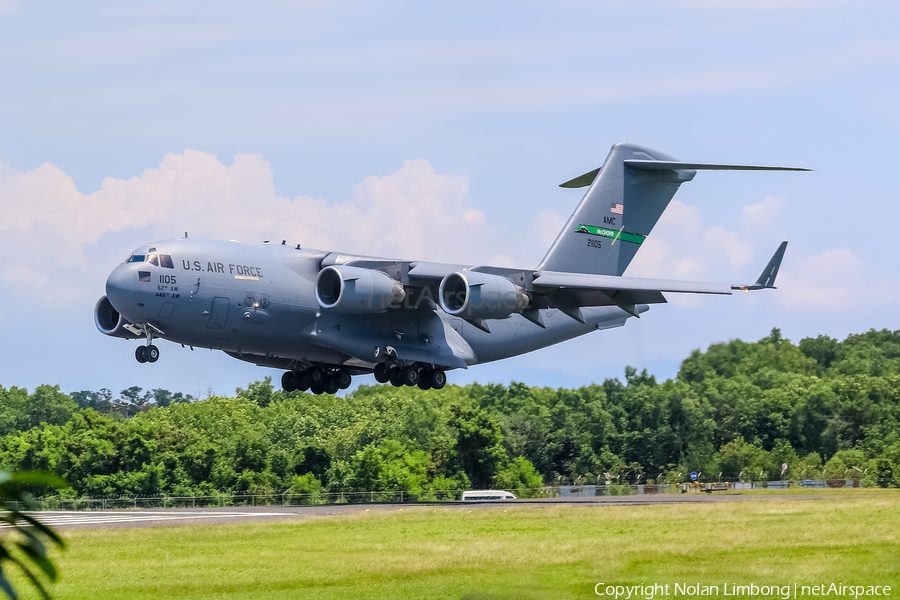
x,y
666,165
582,180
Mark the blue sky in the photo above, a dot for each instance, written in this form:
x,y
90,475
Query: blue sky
x,y
442,132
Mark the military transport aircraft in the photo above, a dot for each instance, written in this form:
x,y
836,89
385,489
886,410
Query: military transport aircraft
x,y
325,316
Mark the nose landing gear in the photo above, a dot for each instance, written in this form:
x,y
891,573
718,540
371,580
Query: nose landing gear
x,y
148,353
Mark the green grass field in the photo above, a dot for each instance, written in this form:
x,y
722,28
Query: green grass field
x,y
802,491
554,552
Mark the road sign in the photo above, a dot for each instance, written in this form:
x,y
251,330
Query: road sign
x,y
693,475
783,467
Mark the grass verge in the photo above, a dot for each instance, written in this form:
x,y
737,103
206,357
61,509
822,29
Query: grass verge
x,y
554,552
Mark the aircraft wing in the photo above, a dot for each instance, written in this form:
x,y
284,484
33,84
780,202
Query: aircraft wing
x,y
546,280
570,291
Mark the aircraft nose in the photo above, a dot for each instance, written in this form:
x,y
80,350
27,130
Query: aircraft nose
x,y
120,287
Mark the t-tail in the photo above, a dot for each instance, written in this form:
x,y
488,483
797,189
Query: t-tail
x,y
626,197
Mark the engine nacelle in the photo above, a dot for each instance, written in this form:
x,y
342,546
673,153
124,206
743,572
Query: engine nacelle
x,y
357,291
109,321
480,296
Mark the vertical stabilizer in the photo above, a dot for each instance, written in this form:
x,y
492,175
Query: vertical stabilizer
x,y
619,210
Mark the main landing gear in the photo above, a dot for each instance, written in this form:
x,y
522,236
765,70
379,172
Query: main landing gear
x,y
317,380
323,380
419,374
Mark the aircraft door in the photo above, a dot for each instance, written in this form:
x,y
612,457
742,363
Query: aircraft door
x,y
219,313
456,324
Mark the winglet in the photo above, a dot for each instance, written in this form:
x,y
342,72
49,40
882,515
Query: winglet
x,y
766,279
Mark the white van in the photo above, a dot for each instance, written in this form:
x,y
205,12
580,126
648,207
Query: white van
x,y
479,495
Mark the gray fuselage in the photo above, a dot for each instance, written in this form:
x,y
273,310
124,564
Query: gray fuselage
x,y
258,303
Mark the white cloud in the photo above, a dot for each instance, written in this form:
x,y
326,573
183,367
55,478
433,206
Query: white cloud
x,y
764,212
765,5
832,281
50,229
546,228
340,86
730,245
550,90
682,247
413,213
49,225
677,248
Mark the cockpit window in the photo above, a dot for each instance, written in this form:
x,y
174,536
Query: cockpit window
x,y
157,260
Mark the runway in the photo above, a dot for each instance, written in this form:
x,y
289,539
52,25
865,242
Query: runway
x,y
136,518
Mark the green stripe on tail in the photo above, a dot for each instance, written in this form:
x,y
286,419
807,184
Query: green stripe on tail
x,y
634,238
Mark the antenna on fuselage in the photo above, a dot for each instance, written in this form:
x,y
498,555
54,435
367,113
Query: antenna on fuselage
x,y
185,235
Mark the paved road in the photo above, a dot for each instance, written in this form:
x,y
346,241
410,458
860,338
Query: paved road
x,y
159,517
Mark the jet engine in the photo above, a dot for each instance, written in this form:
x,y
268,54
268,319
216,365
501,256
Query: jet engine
x,y
109,321
480,295
357,291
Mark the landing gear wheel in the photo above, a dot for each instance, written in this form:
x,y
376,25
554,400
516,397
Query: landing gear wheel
x,y
343,379
316,388
287,382
438,379
301,381
316,376
331,384
395,377
139,354
382,373
409,375
424,381
151,353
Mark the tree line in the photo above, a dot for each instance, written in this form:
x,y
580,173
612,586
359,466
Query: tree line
x,y
739,410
